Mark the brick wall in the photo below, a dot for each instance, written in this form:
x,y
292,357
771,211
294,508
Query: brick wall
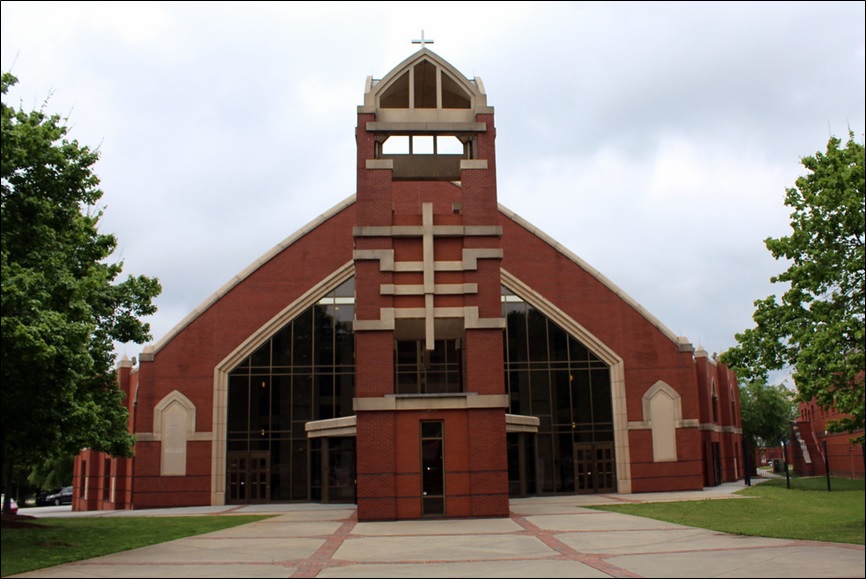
x,y
186,363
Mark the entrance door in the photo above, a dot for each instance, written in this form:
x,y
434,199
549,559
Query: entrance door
x,y
248,476
594,467
521,464
717,463
432,468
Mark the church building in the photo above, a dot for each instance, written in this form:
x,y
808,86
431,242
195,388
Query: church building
x,y
418,350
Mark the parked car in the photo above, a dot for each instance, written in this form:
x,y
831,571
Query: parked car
x,y
12,504
42,497
61,497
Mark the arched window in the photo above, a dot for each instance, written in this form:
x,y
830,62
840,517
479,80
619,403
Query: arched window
x,y
431,88
715,403
425,85
553,376
304,372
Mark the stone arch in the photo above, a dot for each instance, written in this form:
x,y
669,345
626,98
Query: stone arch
x,y
425,81
605,353
251,344
174,426
663,412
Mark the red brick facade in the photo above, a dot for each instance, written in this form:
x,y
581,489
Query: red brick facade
x,y
429,256
817,452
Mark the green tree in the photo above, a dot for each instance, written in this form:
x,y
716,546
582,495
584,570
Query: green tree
x,y
61,308
816,327
767,412
52,473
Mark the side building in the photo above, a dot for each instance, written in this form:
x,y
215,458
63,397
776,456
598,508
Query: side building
x,y
419,350
815,451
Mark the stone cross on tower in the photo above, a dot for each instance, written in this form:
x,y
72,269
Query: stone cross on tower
x,y
422,41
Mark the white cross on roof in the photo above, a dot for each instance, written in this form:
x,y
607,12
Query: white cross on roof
x,y
422,41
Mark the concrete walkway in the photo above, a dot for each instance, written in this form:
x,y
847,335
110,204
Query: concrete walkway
x,y
544,537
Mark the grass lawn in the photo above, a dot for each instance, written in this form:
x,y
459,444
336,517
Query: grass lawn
x,y
774,511
30,543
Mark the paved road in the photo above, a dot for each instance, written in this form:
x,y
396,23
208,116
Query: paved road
x,y
543,537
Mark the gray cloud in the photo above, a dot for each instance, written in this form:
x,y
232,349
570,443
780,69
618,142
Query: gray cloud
x,y
655,140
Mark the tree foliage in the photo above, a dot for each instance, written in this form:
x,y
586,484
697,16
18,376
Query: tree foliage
x,y
767,412
816,327
61,308
52,473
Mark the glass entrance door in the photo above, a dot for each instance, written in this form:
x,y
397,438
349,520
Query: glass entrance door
x,y
521,464
594,467
432,468
248,475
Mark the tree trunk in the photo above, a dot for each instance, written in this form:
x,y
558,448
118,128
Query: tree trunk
x,y
7,479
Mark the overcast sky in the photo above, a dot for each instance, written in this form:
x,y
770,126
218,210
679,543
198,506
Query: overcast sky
x,y
654,140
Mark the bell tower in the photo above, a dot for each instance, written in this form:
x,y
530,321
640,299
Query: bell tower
x,y
430,395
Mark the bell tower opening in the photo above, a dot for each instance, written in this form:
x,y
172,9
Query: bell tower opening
x,y
420,157
431,150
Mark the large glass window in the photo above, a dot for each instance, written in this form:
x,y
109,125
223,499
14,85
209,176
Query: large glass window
x,y
422,371
551,375
304,372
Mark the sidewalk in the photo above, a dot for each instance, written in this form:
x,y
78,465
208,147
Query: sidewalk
x,y
544,537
